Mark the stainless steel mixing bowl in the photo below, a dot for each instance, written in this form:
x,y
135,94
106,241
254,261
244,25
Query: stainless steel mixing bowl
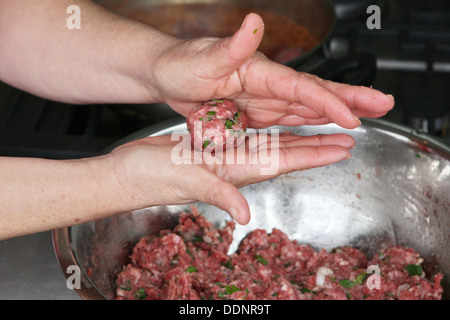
x,y
395,190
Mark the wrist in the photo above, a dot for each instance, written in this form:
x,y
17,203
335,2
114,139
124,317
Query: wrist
x,y
110,192
155,47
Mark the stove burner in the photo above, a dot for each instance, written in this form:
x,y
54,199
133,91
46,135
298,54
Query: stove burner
x,y
429,115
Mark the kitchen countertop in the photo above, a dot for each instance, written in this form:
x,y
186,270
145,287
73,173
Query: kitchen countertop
x,y
29,270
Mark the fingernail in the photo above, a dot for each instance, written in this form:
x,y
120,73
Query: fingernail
x,y
243,24
356,119
234,213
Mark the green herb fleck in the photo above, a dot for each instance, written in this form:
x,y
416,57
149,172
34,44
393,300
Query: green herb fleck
x,y
261,259
347,283
206,143
246,293
361,278
255,31
228,264
231,289
217,100
229,124
211,113
414,270
196,238
141,294
274,294
306,290
257,282
191,269
418,155
228,290
221,295
126,288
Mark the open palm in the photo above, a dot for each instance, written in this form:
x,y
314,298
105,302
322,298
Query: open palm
x,y
216,182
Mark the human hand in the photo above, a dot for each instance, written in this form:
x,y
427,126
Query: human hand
x,y
149,175
192,71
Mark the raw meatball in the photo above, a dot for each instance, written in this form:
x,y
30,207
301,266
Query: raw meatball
x,y
216,124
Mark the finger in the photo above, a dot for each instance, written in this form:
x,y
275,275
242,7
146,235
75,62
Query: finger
x,y
303,111
367,100
273,162
303,158
228,54
211,189
291,141
338,139
369,114
313,95
294,120
305,90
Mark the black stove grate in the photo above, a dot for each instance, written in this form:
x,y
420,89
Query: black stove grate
x,y
30,126
413,59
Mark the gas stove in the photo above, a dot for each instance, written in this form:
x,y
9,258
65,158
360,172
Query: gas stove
x,y
412,48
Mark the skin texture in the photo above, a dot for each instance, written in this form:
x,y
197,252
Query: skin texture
x,y
112,59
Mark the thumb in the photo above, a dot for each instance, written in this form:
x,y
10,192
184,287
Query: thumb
x,y
224,195
231,52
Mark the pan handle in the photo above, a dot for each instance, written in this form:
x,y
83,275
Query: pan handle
x,y
356,69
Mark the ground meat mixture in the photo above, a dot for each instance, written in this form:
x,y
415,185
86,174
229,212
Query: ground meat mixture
x,y
192,262
216,124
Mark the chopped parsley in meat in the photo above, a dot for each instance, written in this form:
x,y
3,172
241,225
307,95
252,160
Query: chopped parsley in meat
x,y
191,269
414,270
191,261
217,123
